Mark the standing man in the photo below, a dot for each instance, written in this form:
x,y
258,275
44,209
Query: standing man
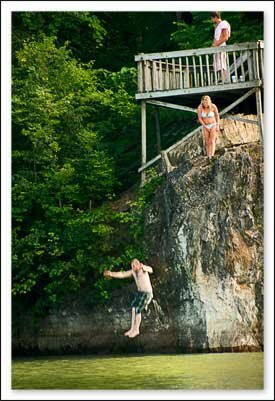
x,y
221,35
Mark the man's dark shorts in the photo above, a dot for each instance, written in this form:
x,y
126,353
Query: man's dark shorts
x,y
141,301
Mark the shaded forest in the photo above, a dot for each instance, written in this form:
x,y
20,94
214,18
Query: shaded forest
x,y
76,143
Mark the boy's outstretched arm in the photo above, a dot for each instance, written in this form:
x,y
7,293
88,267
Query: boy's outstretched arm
x,y
147,268
108,273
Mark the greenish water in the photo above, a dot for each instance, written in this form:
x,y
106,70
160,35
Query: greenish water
x,y
147,372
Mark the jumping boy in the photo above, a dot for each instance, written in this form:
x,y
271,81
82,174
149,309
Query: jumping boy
x,y
144,294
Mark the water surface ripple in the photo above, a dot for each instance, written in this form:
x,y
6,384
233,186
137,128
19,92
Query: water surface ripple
x,y
231,371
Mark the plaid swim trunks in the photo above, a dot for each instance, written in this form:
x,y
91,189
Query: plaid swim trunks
x,y
141,301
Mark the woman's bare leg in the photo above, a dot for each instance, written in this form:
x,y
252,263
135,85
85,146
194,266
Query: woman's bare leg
x,y
132,323
207,141
213,136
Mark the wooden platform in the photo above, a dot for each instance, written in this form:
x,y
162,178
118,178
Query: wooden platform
x,y
178,79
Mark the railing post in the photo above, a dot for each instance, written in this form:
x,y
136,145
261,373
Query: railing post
x,y
235,67
187,80
242,66
201,72
167,86
157,129
249,65
154,76
140,77
207,70
180,67
160,87
195,72
143,140
259,112
174,86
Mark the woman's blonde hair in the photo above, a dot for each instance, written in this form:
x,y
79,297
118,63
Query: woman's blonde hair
x,y
206,97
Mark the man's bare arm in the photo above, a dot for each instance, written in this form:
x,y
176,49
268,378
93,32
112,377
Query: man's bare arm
x,y
223,38
108,273
147,268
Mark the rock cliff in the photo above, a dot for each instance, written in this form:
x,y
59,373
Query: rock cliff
x,y
204,230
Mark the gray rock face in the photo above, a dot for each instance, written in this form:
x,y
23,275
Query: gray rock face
x,y
204,232
206,226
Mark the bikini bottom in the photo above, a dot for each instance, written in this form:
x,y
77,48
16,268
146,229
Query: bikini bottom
x,y
209,126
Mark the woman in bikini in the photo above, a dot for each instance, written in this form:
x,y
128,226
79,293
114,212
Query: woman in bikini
x,y
209,118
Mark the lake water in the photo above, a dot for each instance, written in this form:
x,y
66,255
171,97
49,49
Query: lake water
x,y
142,372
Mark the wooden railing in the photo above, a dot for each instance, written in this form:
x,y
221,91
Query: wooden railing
x,y
190,71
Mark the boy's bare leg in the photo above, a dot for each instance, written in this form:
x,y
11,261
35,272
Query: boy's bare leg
x,y
135,331
132,322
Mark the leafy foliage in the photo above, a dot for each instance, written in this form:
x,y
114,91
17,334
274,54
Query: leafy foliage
x,y
198,32
82,30
61,171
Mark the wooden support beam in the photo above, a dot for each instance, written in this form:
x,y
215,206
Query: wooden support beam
x,y
183,139
239,62
241,99
259,112
262,64
149,163
171,105
143,140
202,90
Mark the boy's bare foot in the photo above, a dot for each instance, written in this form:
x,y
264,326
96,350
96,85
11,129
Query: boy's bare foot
x,y
134,334
127,332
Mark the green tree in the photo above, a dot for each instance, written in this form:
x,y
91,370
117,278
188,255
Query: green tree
x,y
61,172
198,31
83,31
